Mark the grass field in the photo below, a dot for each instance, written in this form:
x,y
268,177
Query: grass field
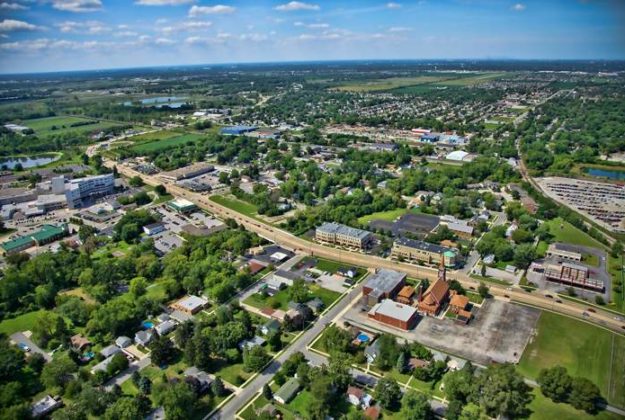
x,y
154,135
390,83
281,299
21,323
543,408
473,79
583,349
164,143
44,126
390,215
78,291
236,205
565,232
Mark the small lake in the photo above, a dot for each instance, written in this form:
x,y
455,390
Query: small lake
x,y
170,101
606,173
28,161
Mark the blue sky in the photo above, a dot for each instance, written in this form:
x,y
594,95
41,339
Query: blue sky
x,y
52,35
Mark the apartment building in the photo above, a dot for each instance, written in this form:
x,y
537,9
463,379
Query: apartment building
x,y
422,251
336,233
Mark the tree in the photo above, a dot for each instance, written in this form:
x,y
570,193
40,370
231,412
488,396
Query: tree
x,y
59,371
415,406
298,292
160,189
275,341
218,388
584,395
118,363
459,383
336,339
617,249
321,388
11,360
483,290
145,385
473,412
135,181
127,408
267,392
388,351
36,362
254,359
401,362
388,393
162,351
501,391
138,286
555,383
178,400
524,254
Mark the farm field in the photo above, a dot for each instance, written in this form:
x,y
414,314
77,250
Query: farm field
x,y
591,352
45,126
164,143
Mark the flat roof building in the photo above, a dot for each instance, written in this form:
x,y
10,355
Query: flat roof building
x,y
564,252
190,304
78,191
45,235
182,205
337,233
186,172
394,314
384,284
237,130
572,274
422,251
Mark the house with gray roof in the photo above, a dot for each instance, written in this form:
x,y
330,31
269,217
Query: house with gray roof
x,y
287,391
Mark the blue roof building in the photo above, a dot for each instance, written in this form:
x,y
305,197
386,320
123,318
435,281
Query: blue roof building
x,y
237,130
429,138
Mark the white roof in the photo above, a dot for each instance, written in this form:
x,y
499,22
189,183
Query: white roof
x,y
457,155
278,256
192,302
394,310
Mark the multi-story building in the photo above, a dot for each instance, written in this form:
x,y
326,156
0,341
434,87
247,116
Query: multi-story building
x,y
422,251
384,284
79,191
336,233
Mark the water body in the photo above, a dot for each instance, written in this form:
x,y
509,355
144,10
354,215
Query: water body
x,y
606,173
170,101
28,161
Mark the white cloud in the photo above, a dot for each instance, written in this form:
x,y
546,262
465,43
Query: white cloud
x,y
12,6
312,25
297,5
77,6
393,5
519,7
164,41
12,25
218,9
126,34
399,29
92,27
33,45
163,2
191,25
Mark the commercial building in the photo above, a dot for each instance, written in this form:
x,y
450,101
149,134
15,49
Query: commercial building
x,y
422,251
16,195
190,304
237,130
181,205
45,235
186,172
572,274
78,191
336,233
563,252
394,314
463,230
384,284
154,228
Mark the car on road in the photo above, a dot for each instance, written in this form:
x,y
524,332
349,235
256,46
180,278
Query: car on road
x,y
558,301
585,314
23,347
549,296
591,310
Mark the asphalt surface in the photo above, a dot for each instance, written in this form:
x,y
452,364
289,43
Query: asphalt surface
x,y
19,337
127,374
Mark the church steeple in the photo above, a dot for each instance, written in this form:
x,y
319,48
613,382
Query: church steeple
x,y
442,270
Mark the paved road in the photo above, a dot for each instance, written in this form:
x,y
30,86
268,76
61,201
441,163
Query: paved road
x,y
127,374
19,337
288,240
235,404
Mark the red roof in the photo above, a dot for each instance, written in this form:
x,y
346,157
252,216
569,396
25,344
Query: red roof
x,y
355,391
255,267
372,412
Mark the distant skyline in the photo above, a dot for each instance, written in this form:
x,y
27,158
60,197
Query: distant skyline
x,y
59,35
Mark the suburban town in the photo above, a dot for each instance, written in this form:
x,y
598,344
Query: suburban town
x,y
341,239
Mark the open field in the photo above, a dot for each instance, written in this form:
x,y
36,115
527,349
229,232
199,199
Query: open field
x,y
20,323
164,143
390,215
590,352
155,135
236,205
57,125
390,83
543,408
473,79
565,232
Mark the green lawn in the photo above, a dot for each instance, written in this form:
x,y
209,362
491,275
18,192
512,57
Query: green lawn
x,y
541,248
583,349
389,215
20,323
44,126
281,299
155,135
327,296
543,408
233,374
333,266
565,232
153,146
239,206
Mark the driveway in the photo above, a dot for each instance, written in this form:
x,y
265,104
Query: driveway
x,y
127,374
21,338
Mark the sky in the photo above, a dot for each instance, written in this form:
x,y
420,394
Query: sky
x,y
59,35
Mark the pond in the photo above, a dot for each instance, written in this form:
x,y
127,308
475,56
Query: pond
x,y
170,101
606,173
27,161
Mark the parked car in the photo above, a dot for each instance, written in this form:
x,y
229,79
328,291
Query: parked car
x,y
23,347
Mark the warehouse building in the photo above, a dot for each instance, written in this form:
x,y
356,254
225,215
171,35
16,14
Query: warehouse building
x,y
45,235
422,251
384,284
394,314
237,130
572,274
564,252
187,172
336,233
181,205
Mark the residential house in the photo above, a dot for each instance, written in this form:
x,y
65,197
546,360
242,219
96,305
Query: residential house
x,y
316,305
405,295
45,406
287,391
109,351
122,342
143,338
251,343
358,397
165,327
79,342
204,379
190,304
270,327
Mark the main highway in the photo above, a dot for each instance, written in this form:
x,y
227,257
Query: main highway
x,y
598,316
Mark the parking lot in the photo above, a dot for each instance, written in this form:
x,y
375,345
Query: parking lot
x,y
498,333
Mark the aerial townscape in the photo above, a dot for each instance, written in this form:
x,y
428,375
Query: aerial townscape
x,y
312,210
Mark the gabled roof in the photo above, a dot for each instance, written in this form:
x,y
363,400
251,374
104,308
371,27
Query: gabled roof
x,y
435,294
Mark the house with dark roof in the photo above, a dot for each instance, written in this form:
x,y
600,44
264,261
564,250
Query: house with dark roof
x,y
431,302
